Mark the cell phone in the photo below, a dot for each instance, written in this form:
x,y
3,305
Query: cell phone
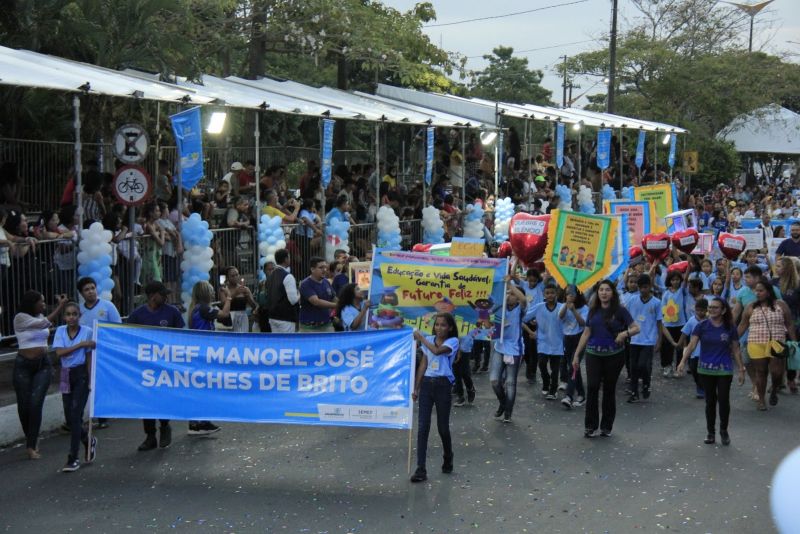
x,y
222,279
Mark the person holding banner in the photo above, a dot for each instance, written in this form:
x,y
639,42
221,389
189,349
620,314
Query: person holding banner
x,y
507,354
352,308
74,345
156,312
608,325
433,386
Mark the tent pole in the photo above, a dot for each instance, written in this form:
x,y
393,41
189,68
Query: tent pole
x,y
655,158
687,178
378,164
620,159
580,163
257,177
76,106
463,169
158,138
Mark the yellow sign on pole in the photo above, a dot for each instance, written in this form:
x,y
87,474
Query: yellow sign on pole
x,y
691,162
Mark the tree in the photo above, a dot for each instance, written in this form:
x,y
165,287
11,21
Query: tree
x,y
508,79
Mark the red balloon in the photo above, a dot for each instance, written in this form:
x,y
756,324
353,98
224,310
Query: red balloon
x,y
635,252
421,247
685,240
656,246
731,245
678,266
528,236
505,250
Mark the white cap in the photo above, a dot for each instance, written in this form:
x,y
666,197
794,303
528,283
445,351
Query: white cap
x,y
237,166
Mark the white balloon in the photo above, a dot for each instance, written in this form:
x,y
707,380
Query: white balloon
x,y
783,493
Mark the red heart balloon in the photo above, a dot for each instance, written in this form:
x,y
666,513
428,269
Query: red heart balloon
x,y
731,245
528,236
421,247
635,252
685,240
504,250
678,266
656,246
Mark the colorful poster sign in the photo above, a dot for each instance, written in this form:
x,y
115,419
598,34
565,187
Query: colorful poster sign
x,y
343,379
409,289
705,244
467,246
360,274
604,148
189,140
640,216
327,151
665,199
579,247
429,155
640,149
560,144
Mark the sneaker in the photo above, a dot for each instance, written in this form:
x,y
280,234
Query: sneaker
x,y
471,395
420,475
709,439
627,390
447,465
567,402
459,401
633,398
544,392
645,393
562,386
726,439
500,411
202,428
165,437
91,450
149,443
579,402
70,466
551,396
699,393
507,418
589,433
605,433
666,372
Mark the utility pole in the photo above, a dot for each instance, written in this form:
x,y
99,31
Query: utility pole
x,y
564,85
612,59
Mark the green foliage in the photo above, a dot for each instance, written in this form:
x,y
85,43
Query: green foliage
x,y
508,79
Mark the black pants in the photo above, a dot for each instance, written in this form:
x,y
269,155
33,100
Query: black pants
x,y
481,351
463,374
549,380
693,369
531,358
77,397
150,425
602,371
668,352
31,381
641,366
576,384
434,392
718,391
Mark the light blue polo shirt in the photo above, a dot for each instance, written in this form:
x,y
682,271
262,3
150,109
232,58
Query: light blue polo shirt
x,y
549,331
441,364
511,345
646,314
103,311
687,330
63,341
570,323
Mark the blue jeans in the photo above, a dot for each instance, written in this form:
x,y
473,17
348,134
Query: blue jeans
x,y
576,384
77,397
31,381
503,377
434,392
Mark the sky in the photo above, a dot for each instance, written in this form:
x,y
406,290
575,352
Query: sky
x,y
548,34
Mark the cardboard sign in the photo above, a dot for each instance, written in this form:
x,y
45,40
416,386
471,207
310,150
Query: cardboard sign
x,y
467,247
754,237
705,244
360,274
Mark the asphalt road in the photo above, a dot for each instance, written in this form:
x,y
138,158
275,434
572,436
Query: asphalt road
x,y
537,474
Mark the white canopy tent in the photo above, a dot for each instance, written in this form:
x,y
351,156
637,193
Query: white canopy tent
x,y
772,130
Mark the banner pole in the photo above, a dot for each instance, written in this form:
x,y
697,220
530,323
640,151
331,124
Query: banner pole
x,y
410,442
91,391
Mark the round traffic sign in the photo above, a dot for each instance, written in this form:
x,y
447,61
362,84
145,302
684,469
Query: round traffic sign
x,y
132,185
130,143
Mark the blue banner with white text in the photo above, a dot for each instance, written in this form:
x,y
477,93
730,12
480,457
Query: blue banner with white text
x,y
560,144
429,155
327,151
604,148
640,149
673,140
304,379
188,135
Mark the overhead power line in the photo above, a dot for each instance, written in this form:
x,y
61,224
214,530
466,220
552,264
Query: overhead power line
x,y
542,48
504,16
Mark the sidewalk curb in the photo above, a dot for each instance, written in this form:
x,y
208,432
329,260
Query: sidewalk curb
x,y
11,430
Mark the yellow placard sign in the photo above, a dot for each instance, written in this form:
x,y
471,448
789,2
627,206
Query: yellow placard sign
x,y
691,161
422,285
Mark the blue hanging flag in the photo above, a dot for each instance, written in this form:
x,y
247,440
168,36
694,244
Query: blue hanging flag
x,y
560,144
188,135
327,151
673,140
604,148
640,149
429,155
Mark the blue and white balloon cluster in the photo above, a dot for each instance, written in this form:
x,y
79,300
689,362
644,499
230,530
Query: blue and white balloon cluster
x,y
95,258
388,229
564,194
609,193
585,201
337,238
473,221
197,255
503,211
432,226
270,239
627,193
